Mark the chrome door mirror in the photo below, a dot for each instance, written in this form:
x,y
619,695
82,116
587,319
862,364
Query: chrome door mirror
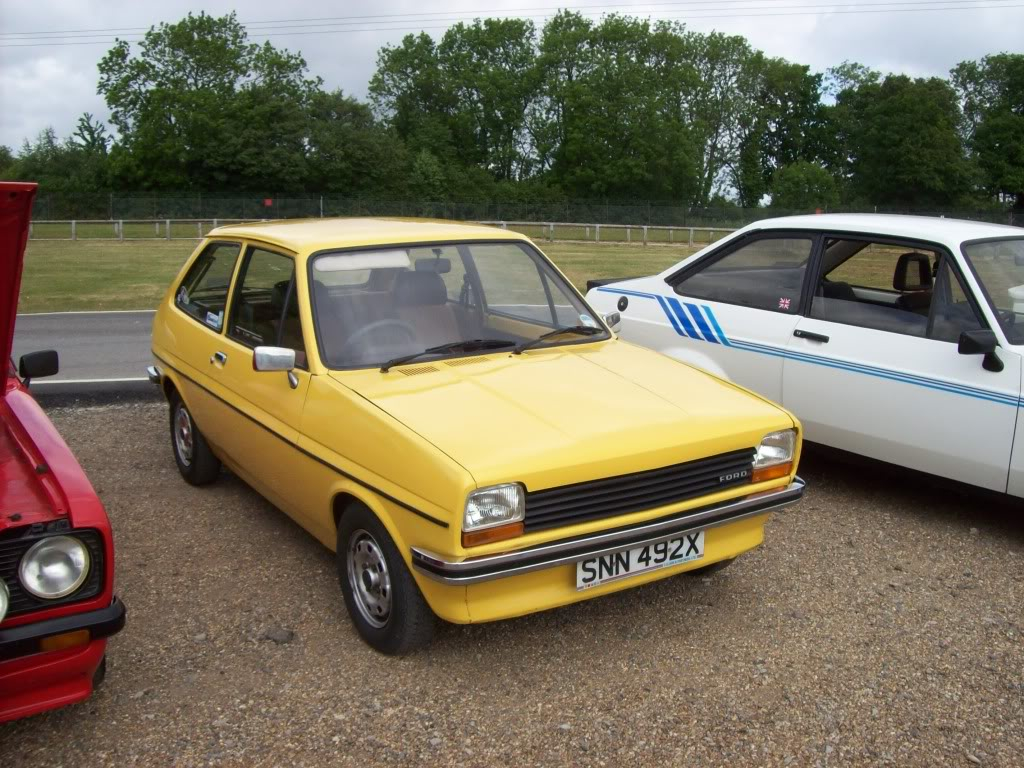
x,y
276,359
613,320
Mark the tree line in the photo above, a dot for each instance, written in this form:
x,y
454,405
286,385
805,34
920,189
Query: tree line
x,y
620,109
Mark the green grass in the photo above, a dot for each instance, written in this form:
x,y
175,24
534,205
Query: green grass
x,y
96,274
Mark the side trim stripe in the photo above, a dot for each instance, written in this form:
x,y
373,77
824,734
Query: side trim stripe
x,y
283,439
719,336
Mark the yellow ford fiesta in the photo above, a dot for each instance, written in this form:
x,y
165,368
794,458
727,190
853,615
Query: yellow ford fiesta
x,y
436,403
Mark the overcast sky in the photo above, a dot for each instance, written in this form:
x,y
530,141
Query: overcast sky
x,y
51,85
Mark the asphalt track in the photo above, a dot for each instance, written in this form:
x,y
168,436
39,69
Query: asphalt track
x,y
102,354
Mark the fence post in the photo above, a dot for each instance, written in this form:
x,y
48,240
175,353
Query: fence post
x,y
168,231
551,233
586,230
691,237
629,234
597,233
30,227
321,206
645,234
199,229
504,225
215,225
671,234
74,229
120,229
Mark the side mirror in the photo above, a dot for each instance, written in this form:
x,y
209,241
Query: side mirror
x,y
273,359
613,320
981,342
36,365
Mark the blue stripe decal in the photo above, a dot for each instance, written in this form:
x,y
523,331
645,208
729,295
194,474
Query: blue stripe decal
x,y
718,328
668,313
699,318
683,319
680,322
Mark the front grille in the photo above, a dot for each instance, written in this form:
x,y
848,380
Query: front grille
x,y
13,546
620,495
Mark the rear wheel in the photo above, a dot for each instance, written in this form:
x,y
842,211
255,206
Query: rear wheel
x,y
382,598
192,453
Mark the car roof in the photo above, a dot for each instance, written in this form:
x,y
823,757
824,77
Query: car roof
x,y
310,235
916,227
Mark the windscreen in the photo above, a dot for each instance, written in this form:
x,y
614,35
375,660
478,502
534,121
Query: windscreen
x,y
372,306
999,267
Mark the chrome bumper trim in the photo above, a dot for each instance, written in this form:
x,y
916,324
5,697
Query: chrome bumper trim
x,y
472,570
153,374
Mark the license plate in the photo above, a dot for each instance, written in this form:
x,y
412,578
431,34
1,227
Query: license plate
x,y
631,562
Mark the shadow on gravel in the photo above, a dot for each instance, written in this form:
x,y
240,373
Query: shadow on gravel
x,y
906,491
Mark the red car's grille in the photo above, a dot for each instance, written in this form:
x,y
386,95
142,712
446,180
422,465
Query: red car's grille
x,y
620,495
13,546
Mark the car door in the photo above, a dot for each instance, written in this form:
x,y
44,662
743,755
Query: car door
x,y
266,406
874,368
197,328
734,311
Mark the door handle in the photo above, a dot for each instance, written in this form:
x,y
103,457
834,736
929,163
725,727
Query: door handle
x,y
810,336
218,357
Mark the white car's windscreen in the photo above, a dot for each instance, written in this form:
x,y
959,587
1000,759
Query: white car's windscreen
x,y
999,267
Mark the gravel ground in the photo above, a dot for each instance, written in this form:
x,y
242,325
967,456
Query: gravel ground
x,y
879,624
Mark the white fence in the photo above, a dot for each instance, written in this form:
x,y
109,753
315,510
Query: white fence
x,y
196,229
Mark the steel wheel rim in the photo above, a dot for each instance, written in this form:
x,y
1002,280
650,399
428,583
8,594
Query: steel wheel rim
x,y
184,442
368,578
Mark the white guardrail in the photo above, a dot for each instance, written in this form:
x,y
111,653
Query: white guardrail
x,y
196,229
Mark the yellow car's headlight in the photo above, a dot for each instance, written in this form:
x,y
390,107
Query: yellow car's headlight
x,y
774,456
54,567
493,513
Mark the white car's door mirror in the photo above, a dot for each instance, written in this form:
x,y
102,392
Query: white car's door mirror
x,y
981,342
613,320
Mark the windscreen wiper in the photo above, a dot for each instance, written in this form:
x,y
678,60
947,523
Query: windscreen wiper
x,y
465,345
582,330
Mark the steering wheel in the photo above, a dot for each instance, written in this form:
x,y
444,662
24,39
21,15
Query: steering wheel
x,y
1008,316
360,336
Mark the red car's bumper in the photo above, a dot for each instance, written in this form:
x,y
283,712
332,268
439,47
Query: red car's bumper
x,y
32,681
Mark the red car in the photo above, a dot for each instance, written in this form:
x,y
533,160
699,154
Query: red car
x,y
57,604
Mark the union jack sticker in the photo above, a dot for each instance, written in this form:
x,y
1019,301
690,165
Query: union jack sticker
x,y
783,303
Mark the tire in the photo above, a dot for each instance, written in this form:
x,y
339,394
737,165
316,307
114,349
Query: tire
x,y
192,453
707,570
382,598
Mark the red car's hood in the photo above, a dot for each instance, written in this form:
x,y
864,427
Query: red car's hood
x,y
15,209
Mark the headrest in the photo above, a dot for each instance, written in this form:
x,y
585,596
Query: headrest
x,y
907,278
417,289
278,294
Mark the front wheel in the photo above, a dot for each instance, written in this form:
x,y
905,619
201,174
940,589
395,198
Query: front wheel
x,y
382,598
192,453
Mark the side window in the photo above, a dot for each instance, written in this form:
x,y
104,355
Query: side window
x,y
766,273
953,313
203,293
875,285
265,309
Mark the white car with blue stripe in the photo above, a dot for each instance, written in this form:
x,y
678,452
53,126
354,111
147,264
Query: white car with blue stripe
x,y
895,337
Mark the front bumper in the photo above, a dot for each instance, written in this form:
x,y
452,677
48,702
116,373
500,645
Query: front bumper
x,y
472,570
33,680
26,639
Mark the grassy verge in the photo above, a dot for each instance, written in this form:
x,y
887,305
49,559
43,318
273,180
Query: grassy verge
x,y
65,276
